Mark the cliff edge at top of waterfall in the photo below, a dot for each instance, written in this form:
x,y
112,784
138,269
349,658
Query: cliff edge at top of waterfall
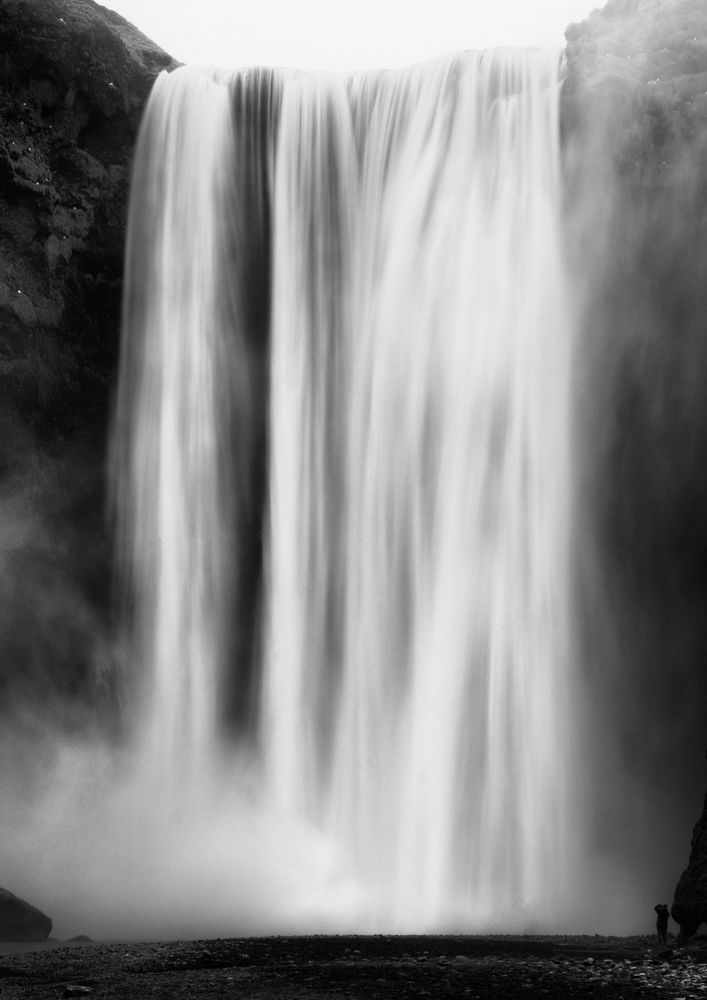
x,y
78,44
661,44
74,78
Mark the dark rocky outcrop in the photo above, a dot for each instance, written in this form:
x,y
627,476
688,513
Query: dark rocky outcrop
x,y
689,907
19,921
74,78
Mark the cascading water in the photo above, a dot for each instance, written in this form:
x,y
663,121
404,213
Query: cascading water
x,y
179,378
413,690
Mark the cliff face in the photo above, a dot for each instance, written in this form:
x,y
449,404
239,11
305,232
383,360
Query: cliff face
x,y
635,139
73,81
635,129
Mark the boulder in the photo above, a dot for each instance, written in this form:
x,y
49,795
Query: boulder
x,y
19,921
689,908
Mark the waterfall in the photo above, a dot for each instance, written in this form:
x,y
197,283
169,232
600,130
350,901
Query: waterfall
x,y
179,374
355,285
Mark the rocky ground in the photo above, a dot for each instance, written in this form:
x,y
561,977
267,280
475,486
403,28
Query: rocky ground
x,y
380,967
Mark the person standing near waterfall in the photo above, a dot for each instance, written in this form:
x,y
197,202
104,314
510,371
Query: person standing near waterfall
x,y
662,922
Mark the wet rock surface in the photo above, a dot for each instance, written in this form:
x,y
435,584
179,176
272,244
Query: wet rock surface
x,y
381,967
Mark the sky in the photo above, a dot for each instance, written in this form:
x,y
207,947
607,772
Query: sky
x,y
338,35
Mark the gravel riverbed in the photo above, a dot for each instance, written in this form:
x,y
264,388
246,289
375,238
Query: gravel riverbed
x,y
377,967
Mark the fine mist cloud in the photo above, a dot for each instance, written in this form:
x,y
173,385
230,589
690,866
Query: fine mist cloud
x,y
54,581
88,831
106,852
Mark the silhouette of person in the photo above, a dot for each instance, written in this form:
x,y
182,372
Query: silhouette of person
x,y
662,922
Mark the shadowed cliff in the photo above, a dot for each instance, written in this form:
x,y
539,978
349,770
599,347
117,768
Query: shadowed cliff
x,y
73,81
635,130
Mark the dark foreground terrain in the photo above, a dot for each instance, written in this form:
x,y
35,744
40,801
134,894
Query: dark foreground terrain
x,y
380,967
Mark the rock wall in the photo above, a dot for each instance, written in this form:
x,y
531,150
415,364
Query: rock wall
x,y
635,130
74,77
73,80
